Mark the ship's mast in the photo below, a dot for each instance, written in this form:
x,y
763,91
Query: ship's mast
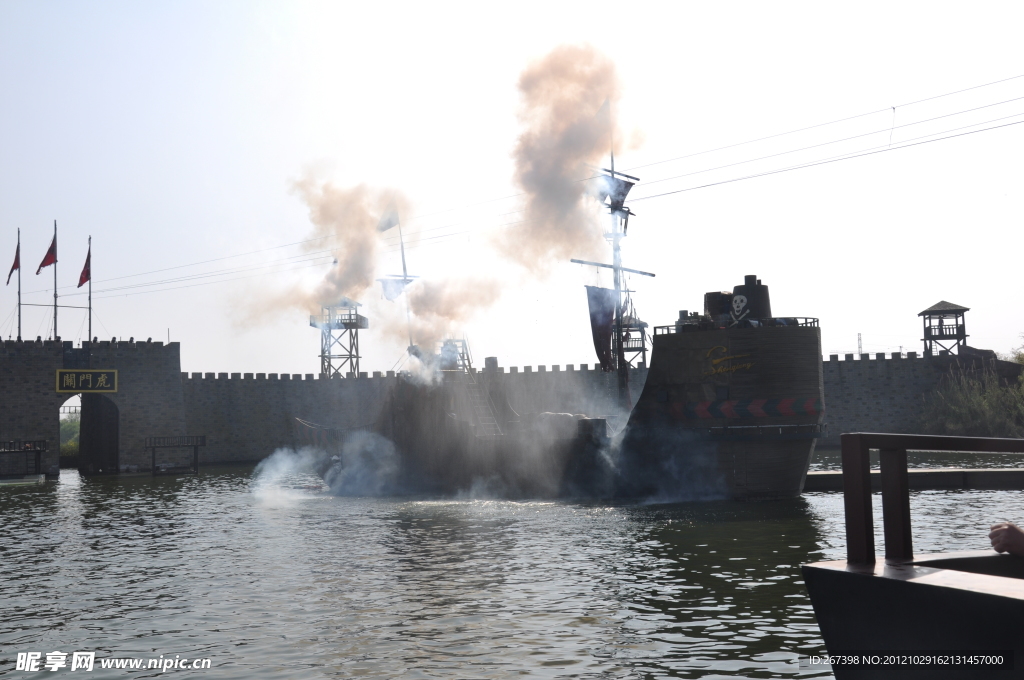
x,y
388,220
615,186
620,223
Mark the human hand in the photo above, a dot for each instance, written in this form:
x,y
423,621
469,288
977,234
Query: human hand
x,y
1007,537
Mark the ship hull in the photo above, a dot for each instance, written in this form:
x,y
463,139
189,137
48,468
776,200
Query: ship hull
x,y
729,413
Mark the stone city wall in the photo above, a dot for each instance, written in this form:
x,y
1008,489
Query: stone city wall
x,y
149,396
245,417
877,394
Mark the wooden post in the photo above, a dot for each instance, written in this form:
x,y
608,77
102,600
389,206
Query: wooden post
x,y
195,458
860,536
896,504
152,450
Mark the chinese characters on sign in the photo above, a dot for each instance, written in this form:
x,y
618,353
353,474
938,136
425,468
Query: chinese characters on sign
x,y
90,380
31,661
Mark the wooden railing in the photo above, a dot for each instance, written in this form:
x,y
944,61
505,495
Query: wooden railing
x,y
945,332
185,441
29,449
760,323
860,535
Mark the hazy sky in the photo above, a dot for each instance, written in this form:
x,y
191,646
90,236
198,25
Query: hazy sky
x,y
173,133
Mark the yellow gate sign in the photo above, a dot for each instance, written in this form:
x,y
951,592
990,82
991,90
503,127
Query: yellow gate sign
x,y
86,380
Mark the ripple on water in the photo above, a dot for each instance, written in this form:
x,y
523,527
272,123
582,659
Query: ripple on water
x,y
282,581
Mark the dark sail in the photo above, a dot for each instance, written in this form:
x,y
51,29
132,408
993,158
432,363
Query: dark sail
x,y
602,302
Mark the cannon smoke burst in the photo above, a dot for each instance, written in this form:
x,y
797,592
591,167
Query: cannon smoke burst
x,y
569,101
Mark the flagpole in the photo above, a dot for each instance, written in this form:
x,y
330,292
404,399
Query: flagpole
x,y
55,279
89,257
19,283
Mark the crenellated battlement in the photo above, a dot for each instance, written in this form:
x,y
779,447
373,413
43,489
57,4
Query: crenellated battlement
x,y
386,375
148,399
85,344
246,416
880,356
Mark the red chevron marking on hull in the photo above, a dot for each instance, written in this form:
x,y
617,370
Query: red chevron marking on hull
x,y
756,408
785,407
726,407
810,406
702,409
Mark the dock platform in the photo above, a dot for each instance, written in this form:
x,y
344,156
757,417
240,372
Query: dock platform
x,y
929,478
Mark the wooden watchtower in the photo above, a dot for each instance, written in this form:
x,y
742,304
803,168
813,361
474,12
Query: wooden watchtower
x,y
944,328
339,326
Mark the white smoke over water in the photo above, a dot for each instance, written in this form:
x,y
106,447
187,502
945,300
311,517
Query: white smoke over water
x,y
286,476
368,465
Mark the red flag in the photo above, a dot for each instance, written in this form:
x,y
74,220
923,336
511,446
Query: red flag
x,y
86,270
51,256
17,263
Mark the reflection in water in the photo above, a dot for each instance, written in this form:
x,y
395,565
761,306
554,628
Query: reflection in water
x,y
295,583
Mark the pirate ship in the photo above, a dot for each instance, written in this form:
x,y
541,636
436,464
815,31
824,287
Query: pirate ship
x,y
734,398
732,404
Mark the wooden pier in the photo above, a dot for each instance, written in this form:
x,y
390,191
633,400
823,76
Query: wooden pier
x,y
953,615
994,479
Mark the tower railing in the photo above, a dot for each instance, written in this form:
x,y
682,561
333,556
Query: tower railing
x,y
342,320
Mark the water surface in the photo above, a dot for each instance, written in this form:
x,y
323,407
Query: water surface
x,y
278,580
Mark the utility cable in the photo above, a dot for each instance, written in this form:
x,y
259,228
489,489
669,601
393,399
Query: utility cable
x,y
836,141
819,125
824,162
493,200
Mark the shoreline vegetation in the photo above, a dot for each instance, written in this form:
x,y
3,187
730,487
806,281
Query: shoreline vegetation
x,y
977,403
70,428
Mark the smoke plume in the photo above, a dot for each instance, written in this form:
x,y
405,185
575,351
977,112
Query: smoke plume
x,y
369,466
345,221
437,308
569,99
285,476
435,305
568,104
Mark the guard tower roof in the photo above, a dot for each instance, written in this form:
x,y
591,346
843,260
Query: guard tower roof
x,y
943,307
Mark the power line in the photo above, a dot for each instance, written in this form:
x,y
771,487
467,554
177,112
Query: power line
x,y
441,237
791,151
818,125
194,285
836,141
904,145
216,259
824,162
318,260
795,167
